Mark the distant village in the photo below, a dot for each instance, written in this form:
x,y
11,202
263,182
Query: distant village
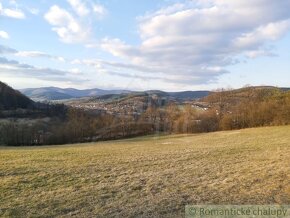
x,y
133,106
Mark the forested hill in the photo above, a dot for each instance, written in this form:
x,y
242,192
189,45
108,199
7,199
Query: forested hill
x,y
11,99
55,93
253,93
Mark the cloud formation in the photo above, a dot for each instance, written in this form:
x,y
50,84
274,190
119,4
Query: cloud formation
x,y
7,50
69,29
195,42
38,54
13,13
79,7
4,35
29,54
74,28
14,68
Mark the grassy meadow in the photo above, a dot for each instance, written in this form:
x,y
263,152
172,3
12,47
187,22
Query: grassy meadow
x,y
147,176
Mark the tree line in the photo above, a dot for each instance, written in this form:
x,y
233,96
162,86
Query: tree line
x,y
228,110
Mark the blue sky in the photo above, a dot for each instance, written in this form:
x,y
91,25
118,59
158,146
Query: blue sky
x,y
139,45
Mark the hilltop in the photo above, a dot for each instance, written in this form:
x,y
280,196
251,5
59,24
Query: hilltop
x,y
235,96
11,99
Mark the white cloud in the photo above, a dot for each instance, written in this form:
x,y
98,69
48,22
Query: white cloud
x,y
4,35
74,26
29,54
38,54
79,7
258,53
195,43
99,10
13,13
76,71
69,29
270,31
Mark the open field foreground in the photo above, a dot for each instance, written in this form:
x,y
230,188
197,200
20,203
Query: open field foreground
x,y
149,176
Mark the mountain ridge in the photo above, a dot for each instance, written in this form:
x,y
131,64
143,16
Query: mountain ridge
x,y
55,93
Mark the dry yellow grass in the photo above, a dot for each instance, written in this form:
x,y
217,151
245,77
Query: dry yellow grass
x,y
149,176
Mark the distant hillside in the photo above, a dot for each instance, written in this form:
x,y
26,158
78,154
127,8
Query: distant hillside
x,y
54,93
189,94
285,89
11,99
237,95
49,96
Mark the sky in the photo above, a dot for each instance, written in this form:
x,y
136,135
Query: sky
x,y
170,45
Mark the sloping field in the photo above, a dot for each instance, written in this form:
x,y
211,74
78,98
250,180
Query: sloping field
x,y
150,176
